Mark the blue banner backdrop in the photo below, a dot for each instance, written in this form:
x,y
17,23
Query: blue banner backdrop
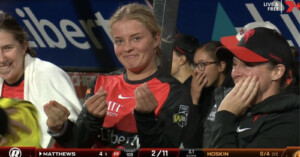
x,y
75,33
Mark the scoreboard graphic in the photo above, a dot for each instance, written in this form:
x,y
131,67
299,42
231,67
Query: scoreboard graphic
x,y
148,152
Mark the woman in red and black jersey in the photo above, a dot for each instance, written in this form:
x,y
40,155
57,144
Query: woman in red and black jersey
x,y
139,106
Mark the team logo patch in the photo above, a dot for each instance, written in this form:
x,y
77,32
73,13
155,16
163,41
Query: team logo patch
x,y
181,117
249,34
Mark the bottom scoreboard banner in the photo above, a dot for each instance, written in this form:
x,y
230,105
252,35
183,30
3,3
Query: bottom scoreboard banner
x,y
157,152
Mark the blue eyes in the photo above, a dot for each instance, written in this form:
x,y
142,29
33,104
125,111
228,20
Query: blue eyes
x,y
136,38
120,41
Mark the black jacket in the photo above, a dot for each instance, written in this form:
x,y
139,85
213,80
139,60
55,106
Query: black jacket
x,y
273,123
198,130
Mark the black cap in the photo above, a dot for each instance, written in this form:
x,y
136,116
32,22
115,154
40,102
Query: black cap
x,y
186,45
261,45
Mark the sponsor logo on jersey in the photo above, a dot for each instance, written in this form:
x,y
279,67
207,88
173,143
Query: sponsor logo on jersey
x,y
212,114
113,108
112,138
181,117
124,97
239,130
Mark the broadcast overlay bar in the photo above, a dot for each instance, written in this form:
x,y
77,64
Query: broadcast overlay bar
x,y
161,152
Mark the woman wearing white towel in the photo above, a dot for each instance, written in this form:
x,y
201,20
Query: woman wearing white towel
x,y
26,77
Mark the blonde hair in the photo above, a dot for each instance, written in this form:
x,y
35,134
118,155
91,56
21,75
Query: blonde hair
x,y
140,13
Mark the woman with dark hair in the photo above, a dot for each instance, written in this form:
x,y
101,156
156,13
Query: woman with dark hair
x,y
24,76
184,48
258,112
211,81
294,76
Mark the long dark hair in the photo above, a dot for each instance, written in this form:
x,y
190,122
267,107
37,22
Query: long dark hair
x,y
211,47
10,24
294,73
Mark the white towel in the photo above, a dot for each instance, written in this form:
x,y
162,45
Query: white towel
x,y
44,81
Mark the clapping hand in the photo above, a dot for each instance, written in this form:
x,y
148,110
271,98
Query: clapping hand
x,y
57,115
145,100
96,105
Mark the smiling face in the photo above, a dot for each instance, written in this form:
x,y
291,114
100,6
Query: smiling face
x,y
134,45
11,57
